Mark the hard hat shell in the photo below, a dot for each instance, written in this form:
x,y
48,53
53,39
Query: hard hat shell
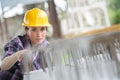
x,y
35,18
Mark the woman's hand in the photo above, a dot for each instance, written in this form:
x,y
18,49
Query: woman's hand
x,y
22,53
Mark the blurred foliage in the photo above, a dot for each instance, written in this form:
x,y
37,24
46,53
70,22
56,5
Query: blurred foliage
x,y
114,11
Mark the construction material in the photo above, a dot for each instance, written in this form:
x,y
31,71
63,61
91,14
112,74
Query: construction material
x,y
103,30
90,57
37,75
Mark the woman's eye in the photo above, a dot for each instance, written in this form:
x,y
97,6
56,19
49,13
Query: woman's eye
x,y
42,29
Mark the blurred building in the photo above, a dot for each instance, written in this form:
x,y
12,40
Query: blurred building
x,y
80,16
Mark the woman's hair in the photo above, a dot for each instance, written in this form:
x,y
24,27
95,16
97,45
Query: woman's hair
x,y
26,28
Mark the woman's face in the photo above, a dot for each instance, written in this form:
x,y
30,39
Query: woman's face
x,y
36,34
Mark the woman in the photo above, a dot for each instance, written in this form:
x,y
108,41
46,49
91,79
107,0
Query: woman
x,y
35,24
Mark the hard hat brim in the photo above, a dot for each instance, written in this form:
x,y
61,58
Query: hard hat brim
x,y
46,25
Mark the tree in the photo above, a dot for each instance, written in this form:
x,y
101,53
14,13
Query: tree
x,y
54,19
114,11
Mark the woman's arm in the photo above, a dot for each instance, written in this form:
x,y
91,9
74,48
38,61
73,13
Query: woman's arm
x,y
9,61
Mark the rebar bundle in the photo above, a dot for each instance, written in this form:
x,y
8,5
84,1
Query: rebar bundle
x,y
90,57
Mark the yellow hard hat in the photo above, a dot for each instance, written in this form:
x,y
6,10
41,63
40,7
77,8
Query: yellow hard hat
x,y
35,18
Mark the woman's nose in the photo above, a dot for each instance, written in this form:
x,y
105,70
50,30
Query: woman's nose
x,y
39,33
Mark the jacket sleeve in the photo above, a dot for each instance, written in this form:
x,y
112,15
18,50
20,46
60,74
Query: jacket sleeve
x,y
12,47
